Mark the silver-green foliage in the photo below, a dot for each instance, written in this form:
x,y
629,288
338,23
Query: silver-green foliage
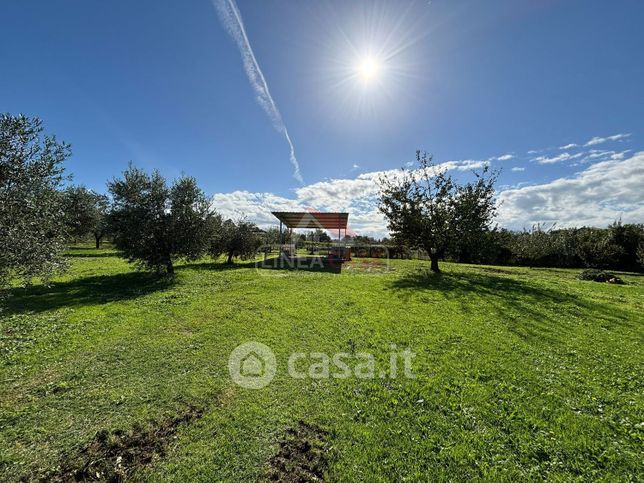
x,y
235,239
154,224
85,213
32,228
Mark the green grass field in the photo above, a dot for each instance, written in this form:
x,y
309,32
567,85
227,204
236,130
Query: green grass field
x,y
520,374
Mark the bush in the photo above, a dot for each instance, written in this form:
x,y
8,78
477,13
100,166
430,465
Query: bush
x,y
628,237
597,249
595,275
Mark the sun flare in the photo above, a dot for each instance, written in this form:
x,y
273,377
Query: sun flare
x,y
368,68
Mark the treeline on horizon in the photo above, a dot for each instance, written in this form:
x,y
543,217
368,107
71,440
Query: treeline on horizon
x,y
618,247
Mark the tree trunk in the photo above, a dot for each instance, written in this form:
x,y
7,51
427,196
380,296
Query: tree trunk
x,y
434,263
230,258
98,241
169,267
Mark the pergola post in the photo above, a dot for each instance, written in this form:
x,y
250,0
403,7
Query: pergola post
x,y
281,240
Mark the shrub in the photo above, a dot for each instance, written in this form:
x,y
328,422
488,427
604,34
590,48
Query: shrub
x,y
595,275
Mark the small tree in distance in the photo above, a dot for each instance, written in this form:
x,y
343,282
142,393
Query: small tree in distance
x,y
427,208
318,235
236,239
155,225
85,213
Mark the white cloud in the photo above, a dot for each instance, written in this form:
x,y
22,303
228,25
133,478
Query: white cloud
x,y
569,146
597,196
357,195
505,157
465,165
596,155
256,207
557,159
599,140
603,192
620,155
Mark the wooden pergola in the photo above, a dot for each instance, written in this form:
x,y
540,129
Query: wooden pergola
x,y
313,220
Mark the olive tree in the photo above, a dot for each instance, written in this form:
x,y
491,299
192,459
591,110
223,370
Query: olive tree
x,y
85,213
427,208
154,225
239,239
318,235
32,228
597,249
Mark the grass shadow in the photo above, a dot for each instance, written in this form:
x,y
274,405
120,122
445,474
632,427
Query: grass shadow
x,y
214,266
304,263
94,290
544,312
92,255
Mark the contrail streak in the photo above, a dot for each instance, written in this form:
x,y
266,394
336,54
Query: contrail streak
x,y
232,21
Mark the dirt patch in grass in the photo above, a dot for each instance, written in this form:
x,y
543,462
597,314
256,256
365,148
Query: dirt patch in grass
x,y
302,456
363,265
114,455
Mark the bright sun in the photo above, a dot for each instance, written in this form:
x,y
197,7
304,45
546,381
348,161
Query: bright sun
x,y
368,68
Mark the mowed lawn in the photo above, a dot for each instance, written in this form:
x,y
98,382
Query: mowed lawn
x,y
520,374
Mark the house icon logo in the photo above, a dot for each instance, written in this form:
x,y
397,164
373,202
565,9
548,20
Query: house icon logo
x,y
252,365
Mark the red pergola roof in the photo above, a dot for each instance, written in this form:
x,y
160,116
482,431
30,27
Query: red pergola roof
x,y
312,219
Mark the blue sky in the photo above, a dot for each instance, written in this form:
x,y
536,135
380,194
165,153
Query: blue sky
x,y
164,84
